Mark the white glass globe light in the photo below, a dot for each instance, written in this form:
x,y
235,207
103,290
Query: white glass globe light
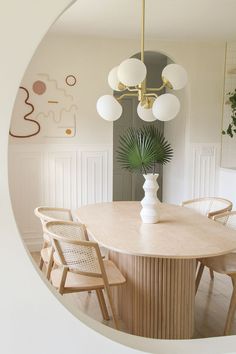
x,y
109,108
176,75
113,80
145,113
166,107
131,72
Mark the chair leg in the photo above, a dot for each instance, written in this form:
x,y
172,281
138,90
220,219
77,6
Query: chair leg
x,y
233,281
50,265
211,274
63,280
102,304
41,261
231,312
115,319
197,263
199,276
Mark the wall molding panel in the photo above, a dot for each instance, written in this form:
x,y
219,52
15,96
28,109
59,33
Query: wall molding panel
x,y
204,169
66,176
94,168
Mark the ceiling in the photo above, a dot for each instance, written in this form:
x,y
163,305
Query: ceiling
x,y
165,19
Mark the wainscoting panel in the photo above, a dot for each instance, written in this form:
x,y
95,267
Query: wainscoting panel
x,y
94,175
60,187
66,176
204,168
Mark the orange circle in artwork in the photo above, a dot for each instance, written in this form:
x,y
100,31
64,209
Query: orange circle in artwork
x,y
39,87
71,80
68,131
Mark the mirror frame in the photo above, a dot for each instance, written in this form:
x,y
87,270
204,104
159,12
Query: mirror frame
x,y
31,319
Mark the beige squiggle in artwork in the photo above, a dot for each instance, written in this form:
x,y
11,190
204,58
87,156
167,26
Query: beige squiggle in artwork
x,y
52,114
56,84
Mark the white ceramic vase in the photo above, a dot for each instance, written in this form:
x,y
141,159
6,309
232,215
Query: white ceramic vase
x,y
150,202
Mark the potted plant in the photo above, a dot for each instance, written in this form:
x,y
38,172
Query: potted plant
x,y
140,150
231,129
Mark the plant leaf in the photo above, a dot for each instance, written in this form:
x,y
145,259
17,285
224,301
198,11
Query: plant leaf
x,y
140,149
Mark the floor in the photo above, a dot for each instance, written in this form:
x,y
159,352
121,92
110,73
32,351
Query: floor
x,y
212,303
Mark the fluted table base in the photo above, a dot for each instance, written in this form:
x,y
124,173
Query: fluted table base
x,y
158,299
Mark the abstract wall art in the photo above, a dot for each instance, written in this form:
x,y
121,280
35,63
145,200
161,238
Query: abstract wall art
x,y
30,109
45,108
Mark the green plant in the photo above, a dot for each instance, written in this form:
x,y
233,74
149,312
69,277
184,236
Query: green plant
x,y
231,130
142,149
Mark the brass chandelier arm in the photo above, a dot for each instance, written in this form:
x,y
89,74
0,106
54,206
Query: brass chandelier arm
x,y
150,95
127,95
157,89
132,89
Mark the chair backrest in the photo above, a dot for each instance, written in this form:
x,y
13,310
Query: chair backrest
x,y
72,248
209,206
46,214
228,219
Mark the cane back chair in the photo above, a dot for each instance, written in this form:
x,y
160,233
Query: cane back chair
x,y
209,206
46,214
225,264
81,267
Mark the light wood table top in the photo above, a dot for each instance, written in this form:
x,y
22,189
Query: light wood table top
x,y
181,232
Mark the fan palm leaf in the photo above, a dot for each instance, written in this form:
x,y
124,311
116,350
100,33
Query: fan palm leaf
x,y
164,151
140,149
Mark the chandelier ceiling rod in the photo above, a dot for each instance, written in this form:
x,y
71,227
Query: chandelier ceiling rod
x,y
142,86
143,30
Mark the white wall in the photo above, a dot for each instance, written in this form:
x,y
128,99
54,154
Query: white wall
x,y
87,58
227,178
59,57
198,124
228,158
60,175
227,172
32,320
90,59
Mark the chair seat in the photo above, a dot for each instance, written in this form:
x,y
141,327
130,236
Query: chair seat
x,y
225,264
77,282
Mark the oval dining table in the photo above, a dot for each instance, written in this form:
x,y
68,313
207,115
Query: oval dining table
x,y
158,261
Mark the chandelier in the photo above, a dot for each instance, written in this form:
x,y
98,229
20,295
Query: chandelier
x,y
130,76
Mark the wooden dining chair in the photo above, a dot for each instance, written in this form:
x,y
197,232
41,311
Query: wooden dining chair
x,y
46,214
209,206
225,264
81,267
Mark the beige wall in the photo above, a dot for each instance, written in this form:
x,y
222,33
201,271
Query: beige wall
x,y
92,58
199,120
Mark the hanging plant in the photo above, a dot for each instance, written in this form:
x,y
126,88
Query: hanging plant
x,y
231,130
141,149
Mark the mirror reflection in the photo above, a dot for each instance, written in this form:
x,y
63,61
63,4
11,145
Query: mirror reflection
x,y
131,217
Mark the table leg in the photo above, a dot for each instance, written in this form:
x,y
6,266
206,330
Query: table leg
x,y
158,299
